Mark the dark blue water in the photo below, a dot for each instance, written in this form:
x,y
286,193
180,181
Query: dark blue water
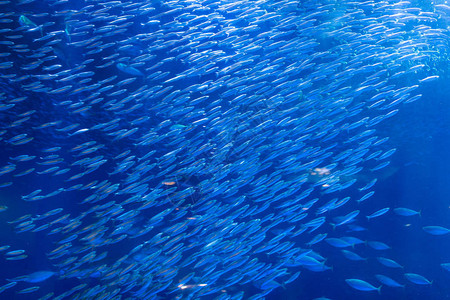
x,y
223,145
420,181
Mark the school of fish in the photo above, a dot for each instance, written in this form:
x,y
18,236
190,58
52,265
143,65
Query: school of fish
x,y
202,149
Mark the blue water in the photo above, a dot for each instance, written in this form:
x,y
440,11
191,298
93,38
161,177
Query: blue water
x,y
272,97
420,132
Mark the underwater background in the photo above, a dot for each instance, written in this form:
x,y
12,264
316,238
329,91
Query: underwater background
x,y
224,149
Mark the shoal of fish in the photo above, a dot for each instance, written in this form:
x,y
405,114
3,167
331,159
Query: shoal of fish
x,y
203,149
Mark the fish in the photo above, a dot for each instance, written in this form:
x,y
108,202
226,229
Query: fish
x,y
15,252
7,286
18,257
129,69
388,262
336,242
28,290
388,281
35,277
362,285
351,255
366,196
378,245
436,230
369,185
429,79
417,279
378,213
405,212
347,218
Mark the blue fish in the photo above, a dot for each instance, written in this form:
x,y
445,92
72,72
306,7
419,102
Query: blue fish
x,y
389,262
417,279
388,281
436,230
129,69
362,285
405,212
378,213
35,277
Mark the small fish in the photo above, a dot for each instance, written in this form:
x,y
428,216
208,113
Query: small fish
x,y
28,290
23,173
366,196
23,158
352,256
429,79
380,166
22,218
417,279
35,277
32,194
3,248
378,245
338,243
7,286
362,285
388,281
405,212
378,213
19,257
22,141
436,230
129,70
6,184
389,262
15,252
347,218
369,185
387,154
